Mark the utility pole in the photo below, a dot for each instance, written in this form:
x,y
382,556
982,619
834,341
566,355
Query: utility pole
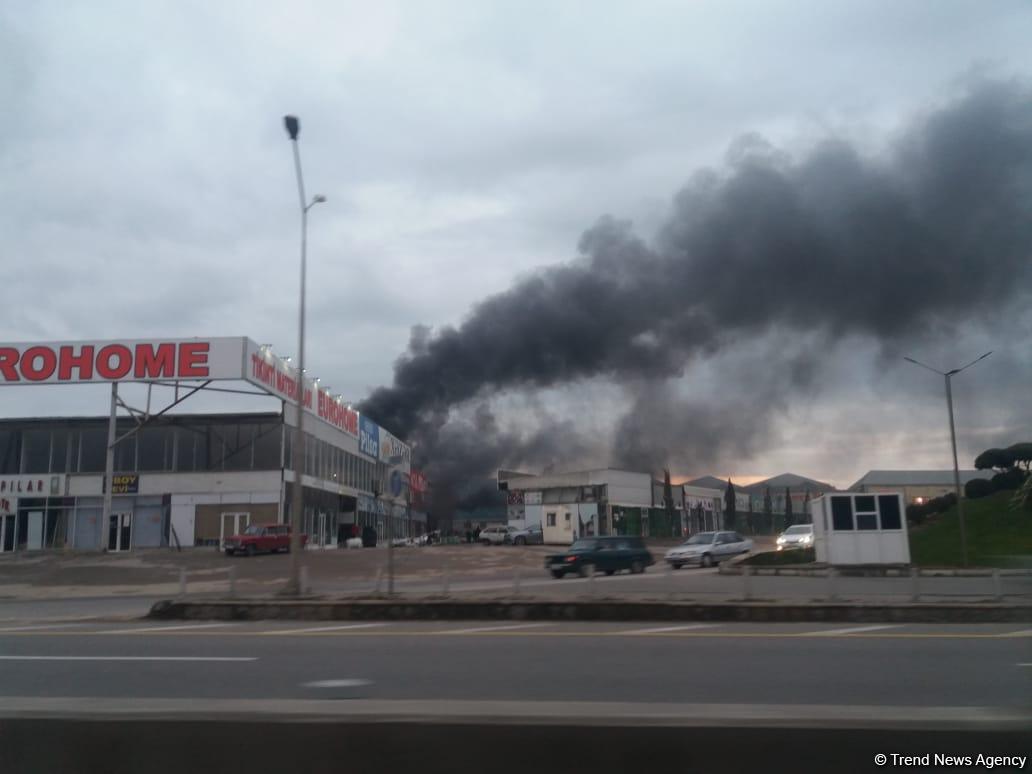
x,y
948,375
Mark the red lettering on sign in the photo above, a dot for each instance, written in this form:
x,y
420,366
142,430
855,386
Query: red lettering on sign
x,y
125,361
45,370
68,360
193,359
154,361
8,360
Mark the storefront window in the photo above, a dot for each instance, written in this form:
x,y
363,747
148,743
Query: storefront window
x,y
35,451
267,447
125,453
92,449
238,447
155,448
59,451
10,452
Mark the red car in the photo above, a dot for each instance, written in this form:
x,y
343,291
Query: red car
x,y
261,538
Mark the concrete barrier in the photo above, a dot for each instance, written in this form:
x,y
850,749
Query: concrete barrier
x,y
595,610
115,736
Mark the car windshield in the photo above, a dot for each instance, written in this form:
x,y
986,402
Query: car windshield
x,y
702,538
804,529
584,545
254,529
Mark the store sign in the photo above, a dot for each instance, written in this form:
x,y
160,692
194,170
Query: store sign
x,y
125,483
369,437
393,451
417,481
40,486
275,376
76,362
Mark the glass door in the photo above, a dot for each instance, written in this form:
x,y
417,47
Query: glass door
x,y
120,532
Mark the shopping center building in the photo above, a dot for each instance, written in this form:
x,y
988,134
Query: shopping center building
x,y
191,479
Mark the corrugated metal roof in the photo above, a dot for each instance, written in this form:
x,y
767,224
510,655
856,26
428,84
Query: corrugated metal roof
x,y
917,477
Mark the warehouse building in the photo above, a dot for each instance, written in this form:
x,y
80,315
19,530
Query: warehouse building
x,y
191,479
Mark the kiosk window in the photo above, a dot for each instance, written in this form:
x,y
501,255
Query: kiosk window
x,y
842,513
890,515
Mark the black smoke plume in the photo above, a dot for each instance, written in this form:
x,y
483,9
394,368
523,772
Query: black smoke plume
x,y
934,232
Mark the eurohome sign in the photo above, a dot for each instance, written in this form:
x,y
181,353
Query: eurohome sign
x,y
234,358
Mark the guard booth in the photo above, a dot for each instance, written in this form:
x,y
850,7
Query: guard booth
x,y
860,528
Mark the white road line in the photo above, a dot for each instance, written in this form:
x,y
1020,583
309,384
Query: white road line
x,y
1029,664
36,627
128,658
1022,633
477,629
323,629
150,629
851,630
660,629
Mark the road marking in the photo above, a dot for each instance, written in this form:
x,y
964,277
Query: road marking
x,y
479,629
150,629
1029,664
852,630
275,632
128,658
344,683
37,627
662,629
1022,633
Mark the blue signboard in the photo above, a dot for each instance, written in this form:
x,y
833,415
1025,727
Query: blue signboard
x,y
368,437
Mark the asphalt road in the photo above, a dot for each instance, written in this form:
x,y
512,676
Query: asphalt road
x,y
876,665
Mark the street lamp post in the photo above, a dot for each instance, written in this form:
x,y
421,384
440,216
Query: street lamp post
x,y
293,127
948,375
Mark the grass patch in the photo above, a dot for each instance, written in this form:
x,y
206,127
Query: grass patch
x,y
997,535
791,556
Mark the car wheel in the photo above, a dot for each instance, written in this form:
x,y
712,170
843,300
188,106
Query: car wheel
x,y
637,567
229,552
250,550
707,560
609,572
520,541
557,574
676,565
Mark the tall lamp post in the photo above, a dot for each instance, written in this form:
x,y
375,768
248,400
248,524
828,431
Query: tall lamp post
x,y
293,127
948,375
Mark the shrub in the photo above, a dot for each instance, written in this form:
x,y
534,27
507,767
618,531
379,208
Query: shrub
x,y
979,487
1010,479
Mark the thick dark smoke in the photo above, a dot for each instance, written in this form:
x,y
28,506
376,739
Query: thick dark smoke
x,y
936,231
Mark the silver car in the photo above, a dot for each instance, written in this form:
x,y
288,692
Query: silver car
x,y
707,549
798,536
531,536
497,535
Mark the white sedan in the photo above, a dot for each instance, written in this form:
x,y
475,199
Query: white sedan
x,y
707,549
497,535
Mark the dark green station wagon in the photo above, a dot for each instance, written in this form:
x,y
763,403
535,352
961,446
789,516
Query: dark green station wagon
x,y
605,554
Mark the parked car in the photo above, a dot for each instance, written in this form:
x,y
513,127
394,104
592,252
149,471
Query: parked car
x,y
497,535
531,536
602,554
261,538
707,549
798,536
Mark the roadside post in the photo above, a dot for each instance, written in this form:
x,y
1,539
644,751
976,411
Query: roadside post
x,y
997,586
832,584
746,582
915,584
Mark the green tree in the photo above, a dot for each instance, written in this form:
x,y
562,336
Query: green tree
x,y
1021,454
730,510
999,459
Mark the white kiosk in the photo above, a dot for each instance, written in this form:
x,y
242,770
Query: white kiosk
x,y
860,528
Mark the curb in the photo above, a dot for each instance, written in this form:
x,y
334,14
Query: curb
x,y
445,610
845,571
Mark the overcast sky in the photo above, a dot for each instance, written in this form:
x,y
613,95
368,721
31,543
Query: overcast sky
x,y
147,189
